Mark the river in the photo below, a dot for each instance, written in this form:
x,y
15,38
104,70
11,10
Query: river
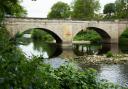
x,y
55,55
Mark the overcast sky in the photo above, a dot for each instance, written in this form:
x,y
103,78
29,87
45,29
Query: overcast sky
x,y
40,8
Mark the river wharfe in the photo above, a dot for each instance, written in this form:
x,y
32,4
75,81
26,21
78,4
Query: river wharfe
x,y
55,55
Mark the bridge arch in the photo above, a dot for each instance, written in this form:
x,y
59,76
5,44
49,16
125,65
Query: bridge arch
x,y
54,35
105,35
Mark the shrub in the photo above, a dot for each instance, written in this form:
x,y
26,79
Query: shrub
x,y
109,54
38,34
124,34
88,35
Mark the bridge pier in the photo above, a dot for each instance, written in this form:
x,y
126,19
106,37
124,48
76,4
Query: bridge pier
x,y
114,41
67,44
115,48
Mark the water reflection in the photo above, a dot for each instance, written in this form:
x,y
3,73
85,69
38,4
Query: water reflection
x,y
98,49
50,49
90,49
32,47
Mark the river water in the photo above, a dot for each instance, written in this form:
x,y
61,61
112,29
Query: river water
x,y
56,55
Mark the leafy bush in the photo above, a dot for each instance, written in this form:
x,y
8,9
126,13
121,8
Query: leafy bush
x,y
109,54
123,40
124,34
4,38
41,35
88,35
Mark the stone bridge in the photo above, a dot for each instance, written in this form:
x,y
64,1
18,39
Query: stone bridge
x,y
65,30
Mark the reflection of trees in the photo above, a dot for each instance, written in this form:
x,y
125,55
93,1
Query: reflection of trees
x,y
23,40
40,42
104,48
51,48
41,46
90,49
79,49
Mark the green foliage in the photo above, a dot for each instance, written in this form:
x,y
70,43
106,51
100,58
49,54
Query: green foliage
x,y
123,41
60,10
4,38
109,10
41,35
123,45
124,34
12,8
121,9
109,54
90,35
98,17
84,9
117,10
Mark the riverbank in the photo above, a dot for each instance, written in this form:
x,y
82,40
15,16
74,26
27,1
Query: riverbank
x,y
96,59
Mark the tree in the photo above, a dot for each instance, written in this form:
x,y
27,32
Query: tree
x,y
11,8
59,10
122,9
84,9
109,8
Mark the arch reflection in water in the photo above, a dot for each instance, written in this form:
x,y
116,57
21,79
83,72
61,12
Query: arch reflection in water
x,y
44,50
91,49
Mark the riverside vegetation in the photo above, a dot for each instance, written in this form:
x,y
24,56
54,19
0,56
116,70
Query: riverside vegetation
x,y
90,35
19,72
123,40
38,34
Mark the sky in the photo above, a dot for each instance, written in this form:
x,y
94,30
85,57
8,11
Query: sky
x,y
40,8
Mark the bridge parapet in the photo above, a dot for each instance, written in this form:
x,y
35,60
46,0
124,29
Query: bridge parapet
x,y
26,19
